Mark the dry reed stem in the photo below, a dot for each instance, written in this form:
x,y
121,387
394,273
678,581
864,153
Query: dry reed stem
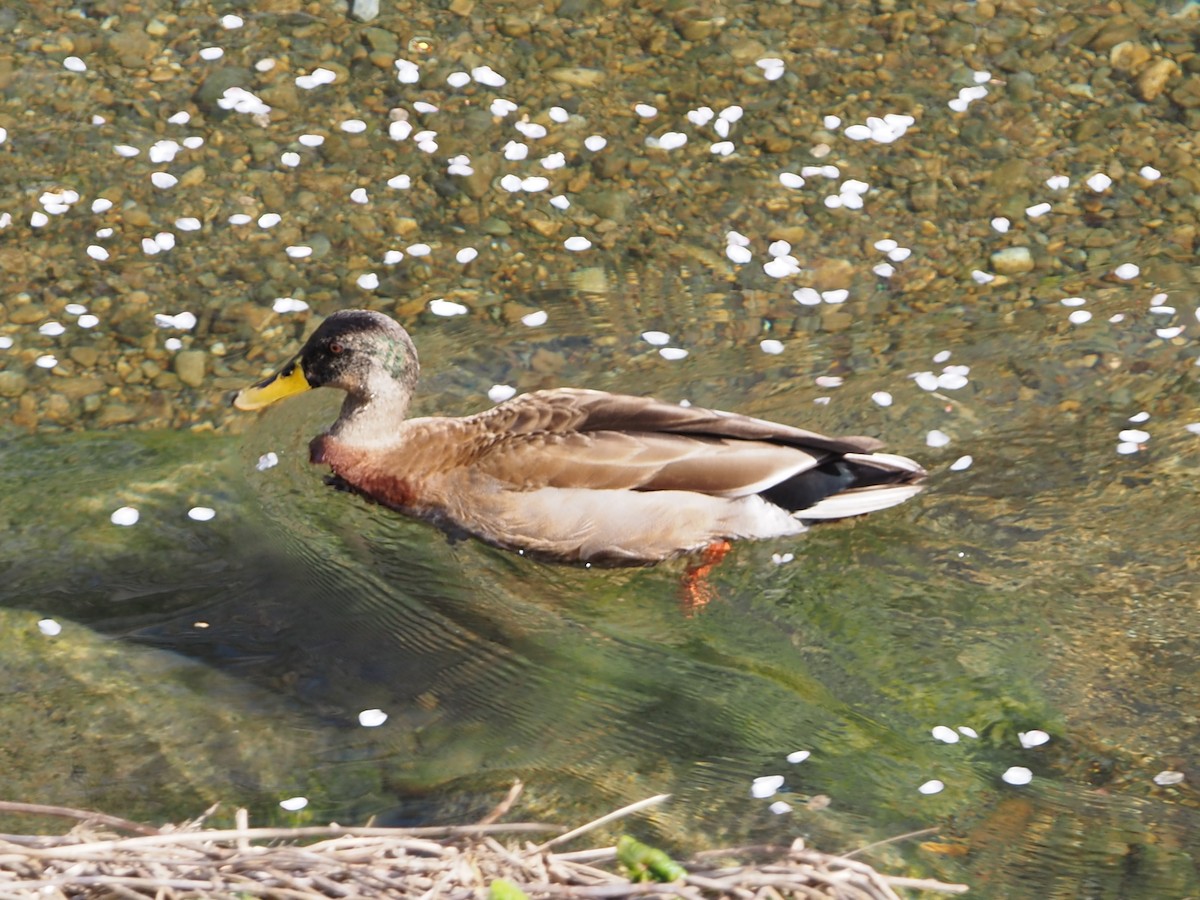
x,y
452,863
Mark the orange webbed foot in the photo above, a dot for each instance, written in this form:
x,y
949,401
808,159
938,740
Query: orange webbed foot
x,y
695,592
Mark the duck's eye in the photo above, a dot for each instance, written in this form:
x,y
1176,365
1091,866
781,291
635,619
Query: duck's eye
x,y
337,348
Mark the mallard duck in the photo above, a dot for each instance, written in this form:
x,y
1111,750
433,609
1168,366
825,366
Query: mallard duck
x,y
574,475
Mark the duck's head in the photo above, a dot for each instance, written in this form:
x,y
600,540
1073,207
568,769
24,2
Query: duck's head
x,y
362,352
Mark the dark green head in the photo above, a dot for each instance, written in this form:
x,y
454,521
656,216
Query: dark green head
x,y
351,350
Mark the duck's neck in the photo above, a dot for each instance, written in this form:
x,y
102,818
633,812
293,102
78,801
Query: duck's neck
x,y
371,416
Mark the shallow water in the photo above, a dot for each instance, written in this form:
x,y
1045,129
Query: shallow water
x,y
1047,586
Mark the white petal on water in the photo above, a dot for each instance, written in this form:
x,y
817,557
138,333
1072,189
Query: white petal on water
x,y
535,319
838,296
1168,333
882,398
458,79
1079,317
399,182
771,346
95,251
209,54
289,159
1126,448
926,381
49,627
952,381
967,730
1033,738
1127,271
981,277
163,180
419,249
884,270
944,734
657,338
74,64
368,281
645,110
51,329
1073,301
1193,427
962,463
673,353
766,786
498,393
289,305
1164,778
201,513
372,718
87,320
1150,173
268,460
577,243
488,76
829,381
1099,182
791,180
1138,418
47,361
443,307
126,515
1037,210
1134,435
558,201
466,255
1058,182
933,786
779,807
1017,775
798,756
781,559
737,238
937,438
298,251
807,296
294,804
738,254
595,143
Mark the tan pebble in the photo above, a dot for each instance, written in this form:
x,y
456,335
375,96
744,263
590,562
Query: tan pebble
x,y
115,414
577,76
1128,56
833,274
81,386
1153,79
461,7
190,366
57,408
193,176
29,314
12,383
85,356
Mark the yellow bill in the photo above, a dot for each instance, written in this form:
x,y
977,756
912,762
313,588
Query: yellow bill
x,y
287,381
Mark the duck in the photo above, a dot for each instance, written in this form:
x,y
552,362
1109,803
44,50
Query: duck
x,y
573,475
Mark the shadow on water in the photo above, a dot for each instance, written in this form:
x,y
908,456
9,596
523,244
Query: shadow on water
x,y
591,685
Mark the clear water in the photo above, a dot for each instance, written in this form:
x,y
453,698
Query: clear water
x,y
1048,586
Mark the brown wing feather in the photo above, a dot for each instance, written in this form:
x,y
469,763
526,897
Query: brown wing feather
x,y
572,409
591,439
649,462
